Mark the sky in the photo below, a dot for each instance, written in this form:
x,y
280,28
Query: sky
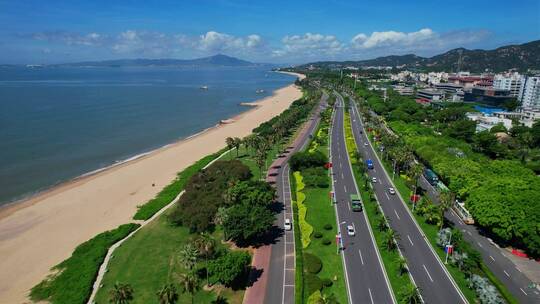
x,y
287,32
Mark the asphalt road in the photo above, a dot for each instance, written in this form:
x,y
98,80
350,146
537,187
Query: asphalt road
x,y
365,277
434,282
516,282
280,285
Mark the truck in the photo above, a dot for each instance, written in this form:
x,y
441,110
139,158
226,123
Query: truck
x,y
431,177
356,203
369,164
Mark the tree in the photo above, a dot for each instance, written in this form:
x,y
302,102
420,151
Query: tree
x,y
402,266
188,256
446,199
121,293
245,223
390,238
260,160
167,294
229,267
382,224
206,245
237,142
230,142
189,283
410,294
414,172
461,129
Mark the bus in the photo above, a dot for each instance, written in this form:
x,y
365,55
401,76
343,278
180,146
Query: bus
x,y
356,203
431,177
369,164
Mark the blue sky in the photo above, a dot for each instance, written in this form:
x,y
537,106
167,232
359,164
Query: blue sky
x,y
274,31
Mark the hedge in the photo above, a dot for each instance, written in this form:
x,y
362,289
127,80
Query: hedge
x,y
305,228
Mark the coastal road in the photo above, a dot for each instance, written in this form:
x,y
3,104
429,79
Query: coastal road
x,y
364,272
281,272
430,275
516,282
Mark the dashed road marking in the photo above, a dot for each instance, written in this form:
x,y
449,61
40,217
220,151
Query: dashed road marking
x,y
427,273
506,273
479,244
492,258
397,215
469,233
370,296
345,188
361,258
523,291
387,196
411,241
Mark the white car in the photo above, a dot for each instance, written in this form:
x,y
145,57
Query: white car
x,y
366,144
373,179
287,224
392,190
350,230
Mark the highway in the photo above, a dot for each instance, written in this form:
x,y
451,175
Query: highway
x,y
364,272
516,282
428,272
280,285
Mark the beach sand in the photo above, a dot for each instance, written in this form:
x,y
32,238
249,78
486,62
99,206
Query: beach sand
x,y
42,231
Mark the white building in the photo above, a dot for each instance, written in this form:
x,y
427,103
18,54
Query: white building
x,y
486,122
529,94
509,82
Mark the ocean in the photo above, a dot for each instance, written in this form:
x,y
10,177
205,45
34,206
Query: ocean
x,y
60,123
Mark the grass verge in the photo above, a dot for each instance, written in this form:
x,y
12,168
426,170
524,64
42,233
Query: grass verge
x,y
74,277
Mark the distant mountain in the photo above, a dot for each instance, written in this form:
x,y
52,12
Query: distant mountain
x,y
212,61
521,57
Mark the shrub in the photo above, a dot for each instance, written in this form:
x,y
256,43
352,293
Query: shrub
x,y
316,177
312,283
312,263
326,242
317,235
487,293
315,298
304,160
328,227
305,228
327,282
229,267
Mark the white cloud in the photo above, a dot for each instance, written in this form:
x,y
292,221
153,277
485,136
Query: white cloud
x,y
309,45
217,42
393,38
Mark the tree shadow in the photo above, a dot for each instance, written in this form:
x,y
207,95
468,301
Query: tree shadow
x,y
276,207
268,238
246,280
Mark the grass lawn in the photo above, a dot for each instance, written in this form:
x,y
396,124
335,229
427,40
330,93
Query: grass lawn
x,y
154,250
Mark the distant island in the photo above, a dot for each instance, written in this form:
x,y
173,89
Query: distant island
x,y
218,60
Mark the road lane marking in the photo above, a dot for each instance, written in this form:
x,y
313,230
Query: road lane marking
x,y
342,177
506,273
387,196
397,214
519,269
345,188
361,258
492,258
523,291
409,239
370,296
349,205
479,244
469,233
427,273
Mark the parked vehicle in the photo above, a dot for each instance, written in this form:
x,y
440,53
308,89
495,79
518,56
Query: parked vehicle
x,y
350,230
391,191
431,177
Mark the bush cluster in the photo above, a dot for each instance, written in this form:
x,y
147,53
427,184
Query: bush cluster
x,y
312,263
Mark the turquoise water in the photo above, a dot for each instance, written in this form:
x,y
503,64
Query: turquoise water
x,y
60,123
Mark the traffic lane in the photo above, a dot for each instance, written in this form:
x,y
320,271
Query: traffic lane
x,y
429,275
359,250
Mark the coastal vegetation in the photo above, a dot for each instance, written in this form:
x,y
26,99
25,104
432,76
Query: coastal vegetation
x,y
72,279
319,271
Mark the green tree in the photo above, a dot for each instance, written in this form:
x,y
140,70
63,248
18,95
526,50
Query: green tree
x,y
390,238
245,223
121,293
414,173
206,245
167,294
446,199
188,256
237,142
402,265
230,143
227,268
189,283
410,294
461,129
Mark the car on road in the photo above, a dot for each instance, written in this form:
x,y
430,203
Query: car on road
x,y
350,230
391,190
373,179
366,144
287,224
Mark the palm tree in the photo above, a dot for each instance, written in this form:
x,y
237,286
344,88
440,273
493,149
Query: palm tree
x,y
446,198
189,283
205,244
167,294
382,223
410,294
390,240
414,172
188,256
121,293
260,160
402,265
230,142
237,142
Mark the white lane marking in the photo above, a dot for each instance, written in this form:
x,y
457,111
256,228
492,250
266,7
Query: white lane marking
x,y
523,291
340,165
361,258
370,296
519,270
427,273
410,240
387,196
397,214
492,258
349,205
479,244
469,233
374,170
506,273
345,188
342,177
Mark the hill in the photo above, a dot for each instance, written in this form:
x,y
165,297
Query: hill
x,y
521,57
212,61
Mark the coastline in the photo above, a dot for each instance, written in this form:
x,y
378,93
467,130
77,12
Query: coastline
x,y
39,232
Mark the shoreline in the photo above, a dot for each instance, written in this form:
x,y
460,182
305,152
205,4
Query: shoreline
x,y
32,198
39,232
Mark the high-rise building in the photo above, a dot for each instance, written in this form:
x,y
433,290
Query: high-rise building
x,y
529,94
510,82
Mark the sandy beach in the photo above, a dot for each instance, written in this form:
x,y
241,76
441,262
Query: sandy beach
x,y
40,232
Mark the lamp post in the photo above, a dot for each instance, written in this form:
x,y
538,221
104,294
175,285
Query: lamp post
x,y
448,248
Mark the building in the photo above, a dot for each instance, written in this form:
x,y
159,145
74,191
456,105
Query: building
x,y
429,95
488,96
403,90
486,122
468,82
510,82
525,116
529,94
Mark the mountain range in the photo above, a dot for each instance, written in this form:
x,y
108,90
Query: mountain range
x,y
521,57
212,61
